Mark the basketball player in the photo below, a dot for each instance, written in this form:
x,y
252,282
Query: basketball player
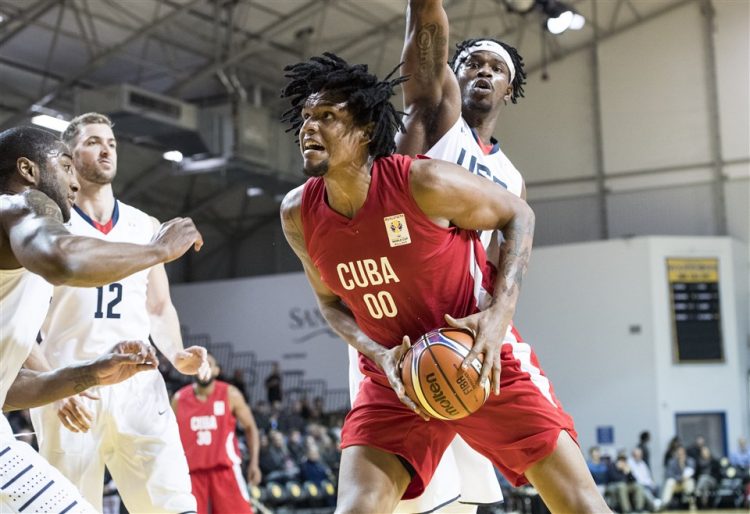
x,y
390,248
130,428
38,187
207,413
452,111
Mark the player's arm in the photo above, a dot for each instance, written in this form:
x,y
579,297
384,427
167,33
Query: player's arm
x,y
165,326
338,316
174,401
432,98
34,388
450,196
245,418
42,244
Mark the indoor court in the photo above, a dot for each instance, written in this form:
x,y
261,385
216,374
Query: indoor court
x,y
615,132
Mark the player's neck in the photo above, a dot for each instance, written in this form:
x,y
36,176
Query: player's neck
x,y
347,189
97,201
483,123
204,391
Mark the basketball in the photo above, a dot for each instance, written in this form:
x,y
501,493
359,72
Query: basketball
x,y
433,378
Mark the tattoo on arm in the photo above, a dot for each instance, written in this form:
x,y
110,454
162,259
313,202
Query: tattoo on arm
x,y
514,255
83,379
430,42
42,205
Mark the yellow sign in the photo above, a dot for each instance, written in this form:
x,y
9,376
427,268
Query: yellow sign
x,y
693,270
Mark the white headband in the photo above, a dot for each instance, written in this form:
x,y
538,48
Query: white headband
x,y
489,46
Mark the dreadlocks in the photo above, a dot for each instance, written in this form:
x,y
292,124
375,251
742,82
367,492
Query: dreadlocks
x,y
367,99
518,81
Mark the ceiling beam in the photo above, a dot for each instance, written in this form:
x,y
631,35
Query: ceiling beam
x,y
26,17
99,60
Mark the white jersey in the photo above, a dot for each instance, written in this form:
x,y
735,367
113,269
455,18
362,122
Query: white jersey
x,y
460,145
24,298
86,322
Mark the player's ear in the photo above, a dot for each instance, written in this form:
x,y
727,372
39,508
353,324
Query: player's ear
x,y
508,94
367,133
28,170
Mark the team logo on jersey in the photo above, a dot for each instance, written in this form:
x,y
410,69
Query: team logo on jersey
x,y
398,232
219,408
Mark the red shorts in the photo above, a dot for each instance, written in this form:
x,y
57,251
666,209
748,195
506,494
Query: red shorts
x,y
223,488
513,430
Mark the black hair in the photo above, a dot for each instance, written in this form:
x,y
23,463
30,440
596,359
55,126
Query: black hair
x,y
31,142
366,97
518,80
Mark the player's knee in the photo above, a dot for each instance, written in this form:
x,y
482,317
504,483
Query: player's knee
x,y
359,500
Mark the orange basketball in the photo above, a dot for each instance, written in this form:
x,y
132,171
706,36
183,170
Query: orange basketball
x,y
433,378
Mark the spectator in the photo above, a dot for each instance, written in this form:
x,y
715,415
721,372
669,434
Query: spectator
x,y
291,418
642,474
621,484
599,469
741,456
644,440
679,477
276,462
313,468
296,445
274,393
708,471
674,443
694,450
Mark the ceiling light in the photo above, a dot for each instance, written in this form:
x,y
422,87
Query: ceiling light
x,y
577,22
254,191
561,23
50,122
173,155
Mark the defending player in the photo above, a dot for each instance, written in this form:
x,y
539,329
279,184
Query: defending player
x,y
452,111
207,413
373,232
38,188
131,428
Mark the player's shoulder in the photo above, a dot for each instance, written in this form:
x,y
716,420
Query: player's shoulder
x,y
291,205
28,203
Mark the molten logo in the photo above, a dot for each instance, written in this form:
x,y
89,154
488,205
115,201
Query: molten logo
x,y
439,397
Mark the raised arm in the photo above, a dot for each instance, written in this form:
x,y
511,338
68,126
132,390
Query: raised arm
x,y
432,98
338,316
41,244
450,196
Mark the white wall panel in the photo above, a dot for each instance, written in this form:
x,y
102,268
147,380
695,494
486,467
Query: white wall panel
x,y
653,91
732,40
549,134
674,211
566,220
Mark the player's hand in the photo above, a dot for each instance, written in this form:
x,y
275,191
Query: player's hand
x,y
390,363
124,360
74,415
176,236
254,474
489,332
193,361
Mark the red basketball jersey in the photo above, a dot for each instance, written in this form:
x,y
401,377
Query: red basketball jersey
x,y
207,428
396,270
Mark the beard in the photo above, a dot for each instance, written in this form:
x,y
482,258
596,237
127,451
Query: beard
x,y
95,175
316,170
52,189
203,383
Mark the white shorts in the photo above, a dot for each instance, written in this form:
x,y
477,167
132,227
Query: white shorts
x,y
462,480
29,484
135,434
